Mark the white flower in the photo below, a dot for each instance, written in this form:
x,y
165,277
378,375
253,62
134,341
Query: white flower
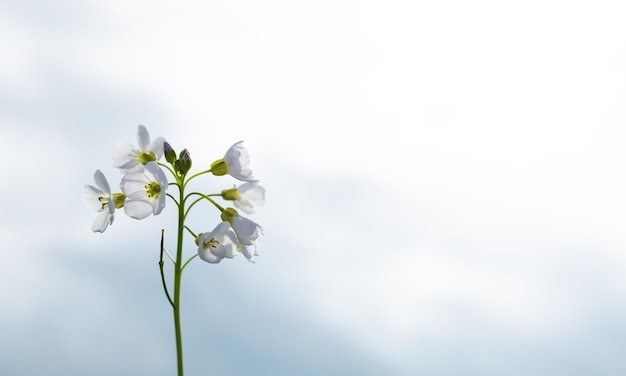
x,y
101,200
248,197
247,230
145,191
219,243
236,163
129,158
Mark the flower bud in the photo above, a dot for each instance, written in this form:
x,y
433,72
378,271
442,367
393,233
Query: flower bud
x,y
185,161
170,154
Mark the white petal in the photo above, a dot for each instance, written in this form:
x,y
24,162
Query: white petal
x,y
157,147
91,197
206,255
102,221
247,188
155,173
229,242
221,227
102,182
134,185
250,250
247,230
125,157
252,197
159,204
111,206
143,138
137,209
218,250
238,161
244,205
243,173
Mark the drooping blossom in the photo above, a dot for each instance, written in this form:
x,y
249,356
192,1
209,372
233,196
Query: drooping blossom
x,y
247,230
236,163
217,244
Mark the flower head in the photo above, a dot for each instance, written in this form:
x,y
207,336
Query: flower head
x,y
145,191
129,158
246,229
248,197
236,163
101,200
217,244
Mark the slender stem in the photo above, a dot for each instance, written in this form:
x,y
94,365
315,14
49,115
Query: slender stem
x,y
191,258
206,197
168,255
172,197
198,174
192,204
168,167
178,273
167,293
191,232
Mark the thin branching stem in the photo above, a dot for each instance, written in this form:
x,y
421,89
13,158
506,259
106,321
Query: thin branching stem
x,y
167,293
172,197
206,197
191,258
196,175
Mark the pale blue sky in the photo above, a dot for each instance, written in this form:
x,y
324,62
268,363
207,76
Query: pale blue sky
x,y
445,186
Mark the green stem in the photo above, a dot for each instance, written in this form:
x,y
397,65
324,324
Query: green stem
x,y
191,258
178,273
206,197
168,167
172,197
198,174
167,293
191,232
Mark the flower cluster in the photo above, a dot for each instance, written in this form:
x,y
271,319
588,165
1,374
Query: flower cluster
x,y
144,191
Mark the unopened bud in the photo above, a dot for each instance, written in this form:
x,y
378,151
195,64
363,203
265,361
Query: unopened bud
x,y
185,161
170,154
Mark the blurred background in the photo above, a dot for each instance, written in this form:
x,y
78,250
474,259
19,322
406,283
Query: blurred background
x,y
445,186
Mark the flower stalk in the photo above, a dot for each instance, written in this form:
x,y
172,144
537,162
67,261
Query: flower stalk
x,y
144,192
178,275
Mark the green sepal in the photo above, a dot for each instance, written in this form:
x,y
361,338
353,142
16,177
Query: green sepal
x,y
228,214
146,157
118,199
231,194
219,167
